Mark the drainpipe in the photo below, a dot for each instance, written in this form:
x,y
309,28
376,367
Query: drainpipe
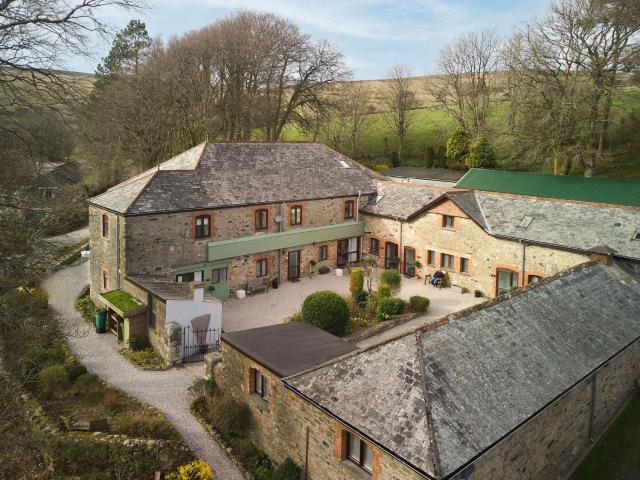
x,y
524,256
117,252
358,206
280,250
401,247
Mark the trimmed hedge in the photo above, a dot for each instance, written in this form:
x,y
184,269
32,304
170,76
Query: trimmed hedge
x,y
391,277
388,307
326,310
419,303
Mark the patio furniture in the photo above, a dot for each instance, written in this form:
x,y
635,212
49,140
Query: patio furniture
x,y
257,284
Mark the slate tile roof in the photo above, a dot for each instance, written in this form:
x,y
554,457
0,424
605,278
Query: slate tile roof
x,y
436,399
580,226
213,175
401,200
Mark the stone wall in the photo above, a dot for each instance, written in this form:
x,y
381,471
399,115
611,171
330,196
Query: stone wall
x,y
103,251
467,240
553,443
282,425
157,244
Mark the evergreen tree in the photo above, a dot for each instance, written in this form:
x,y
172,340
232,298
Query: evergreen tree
x,y
130,49
481,154
458,146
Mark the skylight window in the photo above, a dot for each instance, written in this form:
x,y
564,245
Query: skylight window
x,y
525,222
344,164
378,198
636,236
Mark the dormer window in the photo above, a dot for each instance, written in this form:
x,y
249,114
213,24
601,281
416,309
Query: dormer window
x,y
203,226
448,221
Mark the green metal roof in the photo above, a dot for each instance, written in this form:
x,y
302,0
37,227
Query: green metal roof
x,y
584,189
289,239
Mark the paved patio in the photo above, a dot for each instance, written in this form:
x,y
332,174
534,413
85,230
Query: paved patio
x,y
277,305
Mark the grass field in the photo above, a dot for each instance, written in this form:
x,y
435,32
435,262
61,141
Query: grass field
x,y
617,455
432,126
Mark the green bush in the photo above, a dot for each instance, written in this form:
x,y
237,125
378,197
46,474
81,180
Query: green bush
x,y
137,344
87,308
372,304
326,310
229,417
388,307
245,451
391,277
88,383
40,356
205,387
361,298
145,426
384,290
75,370
481,154
53,380
287,470
356,282
418,303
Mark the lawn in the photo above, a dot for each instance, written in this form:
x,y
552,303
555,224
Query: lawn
x,y
433,124
617,455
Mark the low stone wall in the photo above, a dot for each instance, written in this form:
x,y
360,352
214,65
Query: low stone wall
x,y
380,327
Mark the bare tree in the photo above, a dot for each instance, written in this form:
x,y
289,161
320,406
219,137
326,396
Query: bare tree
x,y
569,63
355,112
400,101
468,66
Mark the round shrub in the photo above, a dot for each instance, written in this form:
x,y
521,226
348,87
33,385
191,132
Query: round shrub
x,y
418,303
356,282
326,310
361,298
287,470
391,277
388,307
229,417
384,290
53,380
75,370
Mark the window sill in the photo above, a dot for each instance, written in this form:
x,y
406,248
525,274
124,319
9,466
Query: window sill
x,y
259,402
355,471
449,229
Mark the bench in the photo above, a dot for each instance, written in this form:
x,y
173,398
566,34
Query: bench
x,y
257,284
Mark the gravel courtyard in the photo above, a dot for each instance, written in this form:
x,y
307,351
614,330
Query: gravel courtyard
x,y
274,306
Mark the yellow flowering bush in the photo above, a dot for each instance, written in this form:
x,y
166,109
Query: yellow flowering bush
x,y
196,470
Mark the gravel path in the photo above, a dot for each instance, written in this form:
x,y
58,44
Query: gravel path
x,y
166,390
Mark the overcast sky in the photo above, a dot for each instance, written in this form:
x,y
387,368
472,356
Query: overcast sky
x,y
373,34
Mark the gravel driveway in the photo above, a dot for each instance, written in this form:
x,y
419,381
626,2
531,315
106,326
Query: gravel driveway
x,y
166,390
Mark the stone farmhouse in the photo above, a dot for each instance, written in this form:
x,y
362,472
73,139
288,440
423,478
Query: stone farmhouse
x,y
246,216
517,387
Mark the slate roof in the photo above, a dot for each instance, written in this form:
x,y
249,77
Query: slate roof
x,y
401,200
213,175
579,226
437,399
288,348
584,189
58,174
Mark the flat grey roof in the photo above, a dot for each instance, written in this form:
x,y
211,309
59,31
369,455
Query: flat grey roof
x,y
288,348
